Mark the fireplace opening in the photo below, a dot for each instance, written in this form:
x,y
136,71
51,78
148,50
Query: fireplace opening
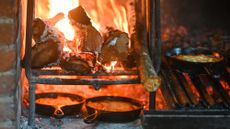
x,y
88,49
109,48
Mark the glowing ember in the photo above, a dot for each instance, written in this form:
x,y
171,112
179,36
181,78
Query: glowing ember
x,y
111,67
225,86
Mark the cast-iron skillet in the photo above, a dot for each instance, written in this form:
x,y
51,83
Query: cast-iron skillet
x,y
59,111
109,116
194,67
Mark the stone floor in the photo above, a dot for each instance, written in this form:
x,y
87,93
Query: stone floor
x,y
76,123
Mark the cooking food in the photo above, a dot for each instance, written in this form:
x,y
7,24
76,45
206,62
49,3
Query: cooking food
x,y
199,58
58,101
112,106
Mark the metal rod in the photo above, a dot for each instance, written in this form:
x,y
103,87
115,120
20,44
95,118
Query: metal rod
x,y
32,88
151,27
208,100
157,36
152,101
186,88
38,72
32,85
29,32
91,81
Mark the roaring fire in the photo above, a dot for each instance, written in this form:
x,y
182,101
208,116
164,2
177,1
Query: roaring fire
x,y
103,13
107,13
55,7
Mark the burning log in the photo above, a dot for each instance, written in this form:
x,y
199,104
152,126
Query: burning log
x,y
47,49
90,38
83,63
115,47
45,54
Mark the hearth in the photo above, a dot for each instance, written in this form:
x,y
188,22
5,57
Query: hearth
x,y
166,61
135,70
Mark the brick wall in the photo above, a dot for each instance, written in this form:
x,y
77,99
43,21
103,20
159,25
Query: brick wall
x,y
8,63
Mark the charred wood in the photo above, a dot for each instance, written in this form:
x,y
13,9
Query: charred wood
x,y
45,54
47,48
115,47
82,63
90,40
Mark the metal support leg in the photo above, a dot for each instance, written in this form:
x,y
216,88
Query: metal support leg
x,y
32,88
152,101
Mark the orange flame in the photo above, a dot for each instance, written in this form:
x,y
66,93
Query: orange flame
x,y
107,13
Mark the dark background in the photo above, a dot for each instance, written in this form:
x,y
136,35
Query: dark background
x,y
196,13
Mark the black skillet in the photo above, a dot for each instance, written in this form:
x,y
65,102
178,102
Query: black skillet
x,y
59,111
194,69
105,115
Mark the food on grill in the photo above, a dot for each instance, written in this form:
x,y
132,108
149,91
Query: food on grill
x,y
58,101
201,58
112,106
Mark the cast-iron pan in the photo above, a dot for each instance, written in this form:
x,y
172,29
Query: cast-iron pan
x,y
195,67
59,111
112,116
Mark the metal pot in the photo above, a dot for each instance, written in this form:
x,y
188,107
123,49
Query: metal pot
x,y
106,115
59,111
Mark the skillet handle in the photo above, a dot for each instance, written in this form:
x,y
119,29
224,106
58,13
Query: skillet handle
x,y
58,113
91,118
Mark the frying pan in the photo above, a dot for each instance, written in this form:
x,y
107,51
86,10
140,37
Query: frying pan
x,y
61,110
94,113
194,69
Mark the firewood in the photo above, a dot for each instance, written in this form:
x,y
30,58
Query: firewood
x,y
78,15
115,47
45,54
82,63
90,39
43,32
47,49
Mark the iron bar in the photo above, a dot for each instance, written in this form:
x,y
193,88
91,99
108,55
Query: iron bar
x,y
152,101
223,92
168,98
169,83
86,81
32,86
183,83
38,72
32,89
157,55
29,32
208,100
